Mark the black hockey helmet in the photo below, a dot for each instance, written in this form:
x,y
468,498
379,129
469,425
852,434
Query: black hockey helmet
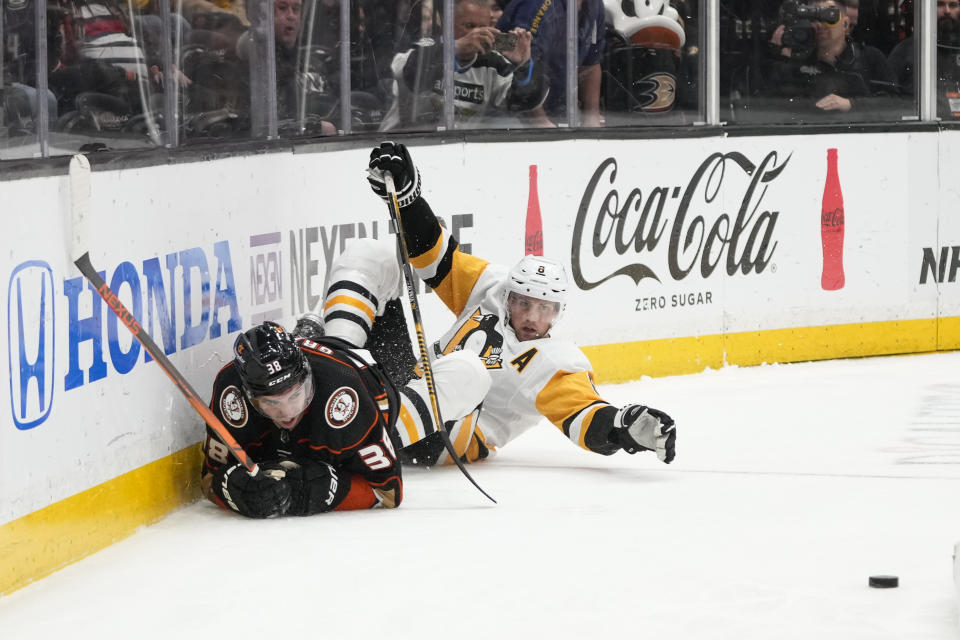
x,y
269,361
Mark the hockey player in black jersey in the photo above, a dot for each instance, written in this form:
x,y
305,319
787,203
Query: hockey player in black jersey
x,y
318,416
315,416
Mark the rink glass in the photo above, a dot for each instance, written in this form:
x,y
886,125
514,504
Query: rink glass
x,y
102,75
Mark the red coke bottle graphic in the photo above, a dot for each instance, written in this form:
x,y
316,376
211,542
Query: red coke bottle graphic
x,y
831,227
534,234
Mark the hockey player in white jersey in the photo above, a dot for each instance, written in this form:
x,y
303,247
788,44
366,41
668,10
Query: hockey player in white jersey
x,y
503,316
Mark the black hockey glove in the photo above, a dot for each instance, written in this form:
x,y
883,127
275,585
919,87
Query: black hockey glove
x,y
394,157
315,486
640,428
265,495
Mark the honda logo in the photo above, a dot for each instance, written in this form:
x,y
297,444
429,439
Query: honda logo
x,y
30,342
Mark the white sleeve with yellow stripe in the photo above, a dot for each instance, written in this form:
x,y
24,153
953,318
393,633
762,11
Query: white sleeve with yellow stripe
x,y
549,378
362,280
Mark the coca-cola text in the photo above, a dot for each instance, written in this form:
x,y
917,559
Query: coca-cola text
x,y
743,242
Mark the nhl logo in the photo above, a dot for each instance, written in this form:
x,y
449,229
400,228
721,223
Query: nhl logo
x,y
341,407
233,407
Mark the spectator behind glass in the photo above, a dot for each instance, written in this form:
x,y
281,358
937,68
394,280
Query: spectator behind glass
x,y
150,27
853,15
546,20
496,10
21,107
902,60
203,14
304,95
488,83
101,80
839,78
373,41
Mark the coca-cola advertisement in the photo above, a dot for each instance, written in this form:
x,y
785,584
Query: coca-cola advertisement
x,y
668,250
665,233
666,239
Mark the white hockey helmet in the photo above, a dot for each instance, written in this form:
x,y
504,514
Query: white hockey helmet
x,y
538,277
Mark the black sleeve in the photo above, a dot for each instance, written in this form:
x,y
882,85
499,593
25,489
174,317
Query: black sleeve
x,y
528,88
421,68
884,100
375,472
901,66
879,73
350,420
601,437
216,455
246,426
87,75
421,229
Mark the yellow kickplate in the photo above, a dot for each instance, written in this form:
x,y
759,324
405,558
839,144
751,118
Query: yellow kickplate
x,y
53,537
614,363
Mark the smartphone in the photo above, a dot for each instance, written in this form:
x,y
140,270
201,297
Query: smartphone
x,y
504,41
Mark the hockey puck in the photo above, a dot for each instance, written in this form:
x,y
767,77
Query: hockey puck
x,y
884,582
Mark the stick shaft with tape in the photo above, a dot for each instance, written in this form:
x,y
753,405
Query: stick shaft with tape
x,y
421,340
131,323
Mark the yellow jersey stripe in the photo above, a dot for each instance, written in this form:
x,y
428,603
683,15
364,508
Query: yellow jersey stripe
x,y
454,290
564,395
580,426
426,263
353,302
473,451
463,434
409,424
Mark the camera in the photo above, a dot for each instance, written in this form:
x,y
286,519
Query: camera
x,y
798,19
504,41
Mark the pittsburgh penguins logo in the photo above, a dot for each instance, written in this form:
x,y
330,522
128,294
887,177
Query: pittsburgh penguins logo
x,y
341,407
233,408
479,333
656,92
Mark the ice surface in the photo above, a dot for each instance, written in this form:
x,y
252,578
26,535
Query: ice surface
x,y
792,485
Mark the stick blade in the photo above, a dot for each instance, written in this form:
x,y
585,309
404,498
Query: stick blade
x,y
79,206
83,263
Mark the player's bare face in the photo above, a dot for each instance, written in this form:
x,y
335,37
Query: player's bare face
x,y
286,409
530,318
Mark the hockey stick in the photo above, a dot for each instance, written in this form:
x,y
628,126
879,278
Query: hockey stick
x,y
79,204
418,326
130,322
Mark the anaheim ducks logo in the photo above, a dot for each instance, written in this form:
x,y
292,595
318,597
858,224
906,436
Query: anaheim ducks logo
x,y
233,407
656,92
341,407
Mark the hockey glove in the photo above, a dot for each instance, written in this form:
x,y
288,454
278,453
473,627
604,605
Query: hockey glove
x,y
315,486
264,495
394,157
309,326
640,428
